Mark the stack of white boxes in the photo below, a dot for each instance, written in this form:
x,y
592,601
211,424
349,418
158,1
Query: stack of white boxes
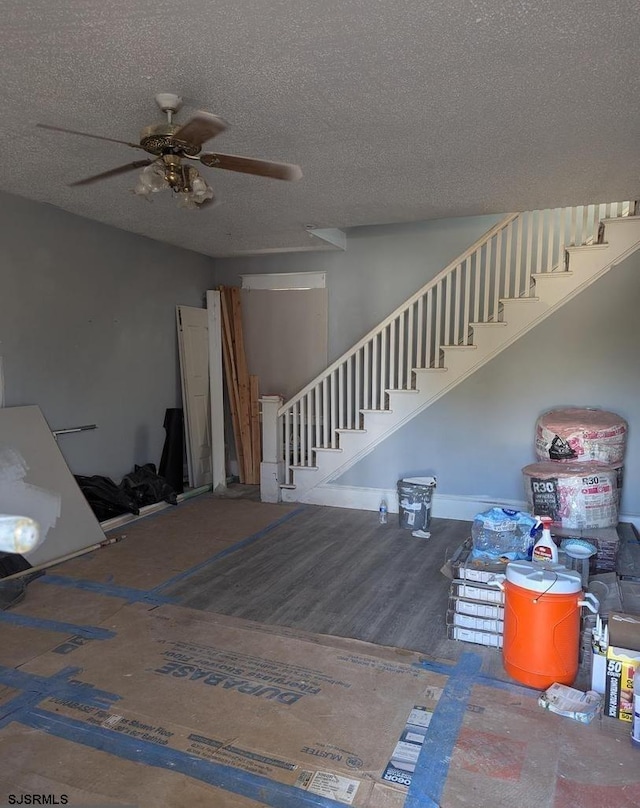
x,y
476,607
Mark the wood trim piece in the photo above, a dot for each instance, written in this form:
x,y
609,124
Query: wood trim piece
x,y
255,427
279,281
216,395
242,375
232,381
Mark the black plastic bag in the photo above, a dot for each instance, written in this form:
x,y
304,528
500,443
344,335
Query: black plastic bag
x,y
105,498
146,487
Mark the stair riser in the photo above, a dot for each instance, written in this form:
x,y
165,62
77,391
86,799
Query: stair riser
x,y
520,316
553,288
621,235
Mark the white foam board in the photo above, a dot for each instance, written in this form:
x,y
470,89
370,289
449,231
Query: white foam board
x,y
35,481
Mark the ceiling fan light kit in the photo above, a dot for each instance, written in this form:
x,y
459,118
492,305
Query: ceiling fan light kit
x,y
171,145
170,174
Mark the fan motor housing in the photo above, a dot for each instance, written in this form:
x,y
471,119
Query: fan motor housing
x,y
159,139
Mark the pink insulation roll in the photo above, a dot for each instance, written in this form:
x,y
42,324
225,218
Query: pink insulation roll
x,y
574,434
579,496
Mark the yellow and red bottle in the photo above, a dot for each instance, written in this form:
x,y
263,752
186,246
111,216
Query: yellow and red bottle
x,y
545,549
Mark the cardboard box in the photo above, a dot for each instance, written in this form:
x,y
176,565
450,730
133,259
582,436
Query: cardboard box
x,y
606,541
461,588
478,623
623,657
489,611
460,567
475,637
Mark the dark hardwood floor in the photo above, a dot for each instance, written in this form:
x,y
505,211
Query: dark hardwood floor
x,y
338,571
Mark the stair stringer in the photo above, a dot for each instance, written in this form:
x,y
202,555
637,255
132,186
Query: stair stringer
x,y
518,316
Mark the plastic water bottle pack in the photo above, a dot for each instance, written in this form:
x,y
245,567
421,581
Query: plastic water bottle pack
x,y
500,532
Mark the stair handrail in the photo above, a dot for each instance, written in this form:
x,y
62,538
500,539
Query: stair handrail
x,y
478,244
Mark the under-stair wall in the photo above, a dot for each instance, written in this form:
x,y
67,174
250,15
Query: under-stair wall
x,y
477,438
357,395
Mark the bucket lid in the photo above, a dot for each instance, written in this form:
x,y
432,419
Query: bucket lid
x,y
552,579
431,481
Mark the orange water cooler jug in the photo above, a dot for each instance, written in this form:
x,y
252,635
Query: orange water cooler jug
x,y
542,609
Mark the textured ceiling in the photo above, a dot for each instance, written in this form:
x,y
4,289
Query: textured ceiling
x,y
397,110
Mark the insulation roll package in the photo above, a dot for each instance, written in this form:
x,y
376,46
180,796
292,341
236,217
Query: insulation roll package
x,y
619,470
579,496
579,434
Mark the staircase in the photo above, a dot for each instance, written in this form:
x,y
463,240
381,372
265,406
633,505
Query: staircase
x,y
522,270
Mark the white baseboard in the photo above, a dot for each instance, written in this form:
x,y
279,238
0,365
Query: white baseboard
x,y
445,506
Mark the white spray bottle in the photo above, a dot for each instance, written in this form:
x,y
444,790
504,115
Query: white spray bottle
x,y
545,548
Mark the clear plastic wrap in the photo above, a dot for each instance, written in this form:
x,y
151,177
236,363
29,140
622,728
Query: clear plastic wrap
x,y
500,532
579,496
581,435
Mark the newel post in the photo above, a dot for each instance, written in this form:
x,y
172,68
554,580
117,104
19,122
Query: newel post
x,y
272,466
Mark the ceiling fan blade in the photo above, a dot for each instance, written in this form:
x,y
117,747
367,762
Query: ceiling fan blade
x,y
201,127
249,165
113,172
87,134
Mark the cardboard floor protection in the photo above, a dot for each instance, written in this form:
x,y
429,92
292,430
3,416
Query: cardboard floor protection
x,y
168,543
178,707
292,710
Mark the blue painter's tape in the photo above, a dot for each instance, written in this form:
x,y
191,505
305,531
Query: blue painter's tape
x,y
253,786
432,767
28,621
486,681
446,669
130,594
228,550
60,685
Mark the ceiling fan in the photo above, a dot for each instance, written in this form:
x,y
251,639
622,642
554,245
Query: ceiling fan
x,y
173,147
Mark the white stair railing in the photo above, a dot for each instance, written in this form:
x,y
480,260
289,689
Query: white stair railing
x,y
499,265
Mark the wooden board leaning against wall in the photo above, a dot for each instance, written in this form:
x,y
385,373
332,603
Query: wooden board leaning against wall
x,y
242,389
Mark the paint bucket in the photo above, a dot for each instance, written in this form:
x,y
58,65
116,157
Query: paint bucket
x,y
542,623
414,502
578,496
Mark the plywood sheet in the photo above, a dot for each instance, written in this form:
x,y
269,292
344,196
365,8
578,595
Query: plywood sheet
x,y
36,482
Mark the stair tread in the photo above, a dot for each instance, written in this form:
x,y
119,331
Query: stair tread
x,y
347,429
364,412
476,324
401,390
565,273
459,347
303,468
622,219
519,300
326,449
603,246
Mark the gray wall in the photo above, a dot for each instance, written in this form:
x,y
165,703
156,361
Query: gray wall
x,y
477,438
87,330
380,269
